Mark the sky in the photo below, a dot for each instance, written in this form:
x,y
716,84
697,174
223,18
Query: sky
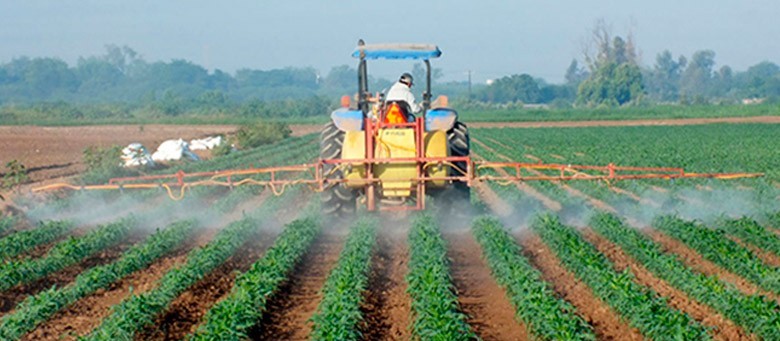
x,y
487,38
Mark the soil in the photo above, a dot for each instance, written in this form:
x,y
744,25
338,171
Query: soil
x,y
490,314
768,257
606,322
724,329
388,307
288,311
51,152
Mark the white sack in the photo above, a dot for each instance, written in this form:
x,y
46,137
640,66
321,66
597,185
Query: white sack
x,y
205,143
135,155
174,150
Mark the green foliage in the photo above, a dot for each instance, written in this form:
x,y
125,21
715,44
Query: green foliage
x,y
22,241
64,254
749,231
6,223
715,247
437,315
40,307
103,163
612,85
754,313
262,133
640,305
230,318
548,317
338,315
15,175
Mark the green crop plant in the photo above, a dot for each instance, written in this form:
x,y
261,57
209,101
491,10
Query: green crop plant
x,y
230,318
536,305
64,254
643,308
715,247
338,315
749,231
40,307
22,241
754,313
437,315
6,224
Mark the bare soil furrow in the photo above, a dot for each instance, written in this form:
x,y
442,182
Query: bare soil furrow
x,y
489,312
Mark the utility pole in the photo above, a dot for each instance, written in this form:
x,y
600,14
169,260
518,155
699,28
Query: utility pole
x,y
469,84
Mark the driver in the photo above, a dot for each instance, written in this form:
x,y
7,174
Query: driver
x,y
401,91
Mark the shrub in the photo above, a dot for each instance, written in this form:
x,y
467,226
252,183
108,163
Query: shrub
x,y
262,133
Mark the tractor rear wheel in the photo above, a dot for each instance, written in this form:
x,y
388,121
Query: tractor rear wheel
x,y
337,199
460,145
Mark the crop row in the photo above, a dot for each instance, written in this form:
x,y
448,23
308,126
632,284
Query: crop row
x,y
244,306
435,305
754,313
63,254
715,247
40,307
548,317
749,231
139,310
641,306
338,315
22,241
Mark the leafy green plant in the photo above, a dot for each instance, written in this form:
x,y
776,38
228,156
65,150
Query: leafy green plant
x,y
22,241
15,175
261,133
715,247
40,307
65,253
6,223
437,315
754,313
749,231
230,318
640,305
547,316
338,315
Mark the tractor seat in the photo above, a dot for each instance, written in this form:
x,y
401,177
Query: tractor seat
x,y
397,112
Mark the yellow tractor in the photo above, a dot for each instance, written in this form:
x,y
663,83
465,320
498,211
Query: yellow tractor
x,y
368,153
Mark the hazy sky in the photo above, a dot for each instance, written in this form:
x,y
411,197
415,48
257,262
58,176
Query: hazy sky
x,y
490,38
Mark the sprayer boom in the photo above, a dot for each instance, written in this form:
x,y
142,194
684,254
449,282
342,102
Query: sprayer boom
x,y
314,176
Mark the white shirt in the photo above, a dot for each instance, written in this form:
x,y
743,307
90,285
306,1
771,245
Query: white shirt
x,y
401,92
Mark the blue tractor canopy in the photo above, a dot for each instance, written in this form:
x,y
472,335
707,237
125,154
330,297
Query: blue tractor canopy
x,y
397,51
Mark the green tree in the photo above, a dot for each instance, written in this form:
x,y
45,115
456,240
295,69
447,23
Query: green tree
x,y
615,78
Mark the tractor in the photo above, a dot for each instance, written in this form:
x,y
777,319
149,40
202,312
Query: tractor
x,y
391,164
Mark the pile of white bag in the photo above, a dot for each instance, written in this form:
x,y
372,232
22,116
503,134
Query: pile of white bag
x,y
136,155
173,150
207,143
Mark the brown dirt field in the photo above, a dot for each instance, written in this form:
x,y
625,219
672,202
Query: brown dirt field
x,y
52,152
10,298
724,329
606,322
388,307
186,312
692,259
489,312
289,310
